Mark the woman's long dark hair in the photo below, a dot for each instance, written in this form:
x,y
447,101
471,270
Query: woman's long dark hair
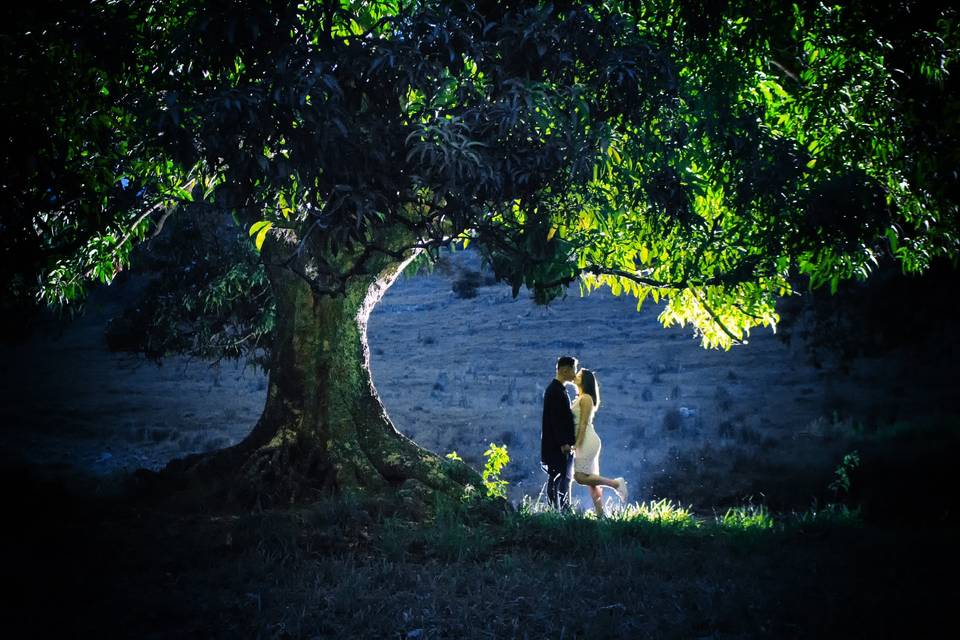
x,y
591,387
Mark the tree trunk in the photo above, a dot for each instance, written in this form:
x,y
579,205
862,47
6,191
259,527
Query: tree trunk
x,y
323,428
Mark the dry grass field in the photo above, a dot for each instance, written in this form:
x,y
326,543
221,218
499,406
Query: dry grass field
x,y
460,363
751,440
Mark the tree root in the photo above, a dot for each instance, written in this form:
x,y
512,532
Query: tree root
x,y
292,470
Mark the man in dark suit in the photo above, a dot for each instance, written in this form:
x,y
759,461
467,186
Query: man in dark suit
x,y
558,435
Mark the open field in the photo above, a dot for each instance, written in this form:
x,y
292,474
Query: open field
x,y
750,439
705,428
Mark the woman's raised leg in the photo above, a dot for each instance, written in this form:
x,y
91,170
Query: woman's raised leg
x,y
596,481
593,480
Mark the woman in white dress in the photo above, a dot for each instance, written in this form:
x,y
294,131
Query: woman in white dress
x,y
586,465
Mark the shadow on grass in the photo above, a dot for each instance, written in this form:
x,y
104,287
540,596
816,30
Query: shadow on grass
x,y
364,567
452,534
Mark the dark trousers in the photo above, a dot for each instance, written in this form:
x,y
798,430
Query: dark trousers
x,y
559,481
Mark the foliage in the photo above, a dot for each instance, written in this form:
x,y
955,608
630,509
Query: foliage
x,y
832,515
814,95
701,154
746,518
661,512
662,520
841,483
497,458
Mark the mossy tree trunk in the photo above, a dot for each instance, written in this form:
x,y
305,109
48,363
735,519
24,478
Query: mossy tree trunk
x,y
324,428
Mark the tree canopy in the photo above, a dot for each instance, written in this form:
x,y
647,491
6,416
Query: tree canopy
x,y
711,155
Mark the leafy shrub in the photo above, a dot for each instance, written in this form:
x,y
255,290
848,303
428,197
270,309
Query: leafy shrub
x,y
497,459
466,285
841,483
672,420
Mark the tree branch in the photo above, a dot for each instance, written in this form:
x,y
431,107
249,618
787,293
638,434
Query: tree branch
x,y
159,228
789,73
650,282
716,319
85,274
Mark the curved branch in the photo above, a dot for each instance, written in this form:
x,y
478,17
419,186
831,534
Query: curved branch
x,y
716,319
159,228
650,282
789,73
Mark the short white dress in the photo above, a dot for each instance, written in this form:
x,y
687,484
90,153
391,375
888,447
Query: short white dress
x,y
588,455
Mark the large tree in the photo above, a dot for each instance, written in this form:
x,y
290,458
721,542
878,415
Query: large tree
x,y
703,154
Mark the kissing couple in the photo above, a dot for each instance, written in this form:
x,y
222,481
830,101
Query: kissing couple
x,y
569,445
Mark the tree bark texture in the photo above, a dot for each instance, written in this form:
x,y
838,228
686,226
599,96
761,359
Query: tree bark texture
x,y
324,428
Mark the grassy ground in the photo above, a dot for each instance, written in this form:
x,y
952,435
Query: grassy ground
x,y
705,428
101,566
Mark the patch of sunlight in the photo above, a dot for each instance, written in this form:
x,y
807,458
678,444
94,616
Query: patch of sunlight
x,y
657,512
750,517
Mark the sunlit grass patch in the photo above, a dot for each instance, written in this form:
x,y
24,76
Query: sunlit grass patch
x,y
662,512
628,528
452,533
668,517
750,518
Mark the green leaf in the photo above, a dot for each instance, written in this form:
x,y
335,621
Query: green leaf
x,y
258,225
892,237
260,228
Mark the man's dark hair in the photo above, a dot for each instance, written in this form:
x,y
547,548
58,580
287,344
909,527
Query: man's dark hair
x,y
566,361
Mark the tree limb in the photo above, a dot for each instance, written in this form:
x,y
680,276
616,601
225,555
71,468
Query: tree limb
x,y
716,319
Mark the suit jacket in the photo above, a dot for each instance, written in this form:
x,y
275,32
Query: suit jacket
x,y
558,428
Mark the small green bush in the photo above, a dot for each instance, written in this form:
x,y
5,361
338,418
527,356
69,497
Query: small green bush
x,y
497,459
